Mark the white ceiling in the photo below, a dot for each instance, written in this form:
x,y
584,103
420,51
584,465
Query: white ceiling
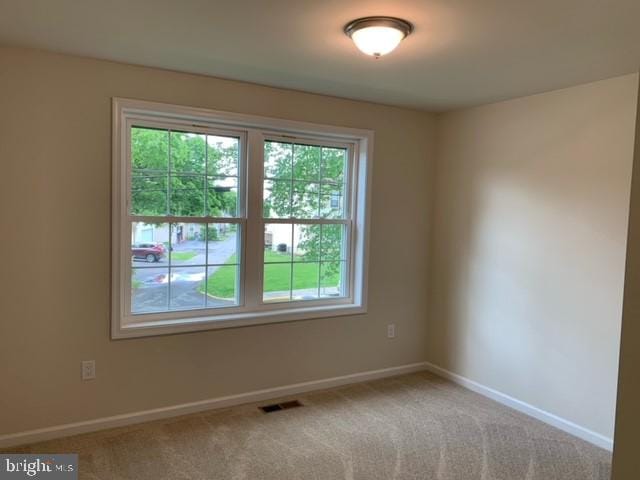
x,y
463,52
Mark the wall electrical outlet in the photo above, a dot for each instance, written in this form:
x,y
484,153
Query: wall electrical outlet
x,y
391,330
88,369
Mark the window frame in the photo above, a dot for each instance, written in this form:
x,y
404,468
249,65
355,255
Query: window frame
x,y
252,131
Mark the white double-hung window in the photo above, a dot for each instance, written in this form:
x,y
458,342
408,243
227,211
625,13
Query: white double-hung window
x,y
224,220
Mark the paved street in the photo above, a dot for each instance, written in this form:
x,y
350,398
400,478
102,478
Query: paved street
x,y
152,279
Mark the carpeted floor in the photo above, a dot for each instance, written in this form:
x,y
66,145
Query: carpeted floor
x,y
414,426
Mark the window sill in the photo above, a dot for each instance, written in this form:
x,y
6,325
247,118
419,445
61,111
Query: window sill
x,y
234,320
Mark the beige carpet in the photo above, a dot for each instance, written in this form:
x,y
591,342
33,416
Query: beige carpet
x,y
414,426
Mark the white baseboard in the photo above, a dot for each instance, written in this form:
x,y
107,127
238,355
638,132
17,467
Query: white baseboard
x,y
65,430
546,417
57,431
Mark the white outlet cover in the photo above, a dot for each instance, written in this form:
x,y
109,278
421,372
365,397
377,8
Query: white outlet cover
x,y
88,369
391,330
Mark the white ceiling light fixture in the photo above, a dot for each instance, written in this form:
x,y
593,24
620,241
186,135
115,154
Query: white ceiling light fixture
x,y
377,36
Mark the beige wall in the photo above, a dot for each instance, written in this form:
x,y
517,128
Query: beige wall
x,y
55,134
626,461
528,249
529,242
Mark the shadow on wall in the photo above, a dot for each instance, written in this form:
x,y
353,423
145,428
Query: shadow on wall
x,y
529,227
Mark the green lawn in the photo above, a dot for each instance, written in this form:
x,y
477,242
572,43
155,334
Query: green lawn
x,y
277,277
182,256
222,283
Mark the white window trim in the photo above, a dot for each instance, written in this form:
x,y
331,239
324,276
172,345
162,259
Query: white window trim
x,y
127,110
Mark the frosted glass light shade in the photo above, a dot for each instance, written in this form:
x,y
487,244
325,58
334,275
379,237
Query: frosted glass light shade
x,y
377,36
377,41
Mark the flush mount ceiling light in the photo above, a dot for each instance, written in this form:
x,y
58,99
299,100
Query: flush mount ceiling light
x,y
377,36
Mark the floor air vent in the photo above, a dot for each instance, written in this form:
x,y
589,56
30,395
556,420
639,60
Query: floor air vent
x,y
280,406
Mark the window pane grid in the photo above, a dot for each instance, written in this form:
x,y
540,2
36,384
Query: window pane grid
x,y
304,190
296,261
308,221
151,267
189,177
196,268
235,222
321,174
316,197
311,256
184,218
